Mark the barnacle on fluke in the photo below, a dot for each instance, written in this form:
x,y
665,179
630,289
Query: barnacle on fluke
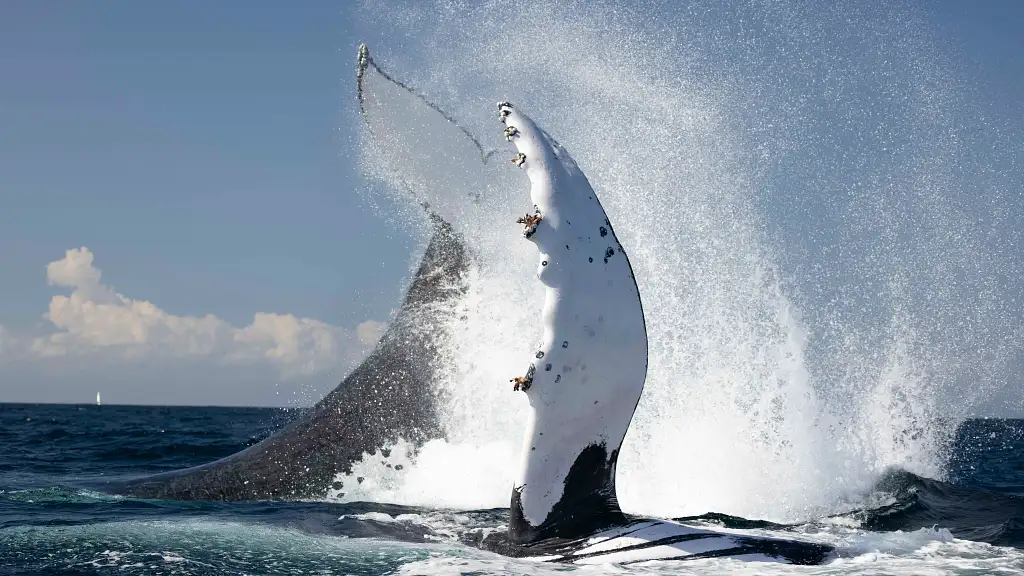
x,y
530,222
524,382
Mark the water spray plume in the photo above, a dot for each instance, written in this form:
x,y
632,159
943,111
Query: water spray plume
x,y
823,299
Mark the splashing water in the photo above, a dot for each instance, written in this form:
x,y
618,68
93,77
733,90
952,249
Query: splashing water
x,y
798,196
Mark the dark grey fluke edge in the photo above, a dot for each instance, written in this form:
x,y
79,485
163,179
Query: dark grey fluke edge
x,y
390,396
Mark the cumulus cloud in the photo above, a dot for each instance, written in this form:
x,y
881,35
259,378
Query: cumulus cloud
x,y
370,332
96,321
75,269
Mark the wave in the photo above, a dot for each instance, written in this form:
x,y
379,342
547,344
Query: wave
x,y
370,538
899,502
968,513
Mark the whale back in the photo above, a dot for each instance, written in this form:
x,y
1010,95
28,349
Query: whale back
x,y
388,397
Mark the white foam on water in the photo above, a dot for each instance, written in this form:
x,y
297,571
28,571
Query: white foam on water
x,y
426,480
793,189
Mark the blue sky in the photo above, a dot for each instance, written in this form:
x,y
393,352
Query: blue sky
x,y
204,154
198,149
200,152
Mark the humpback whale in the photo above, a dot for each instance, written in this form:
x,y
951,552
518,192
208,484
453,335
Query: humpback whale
x,y
582,383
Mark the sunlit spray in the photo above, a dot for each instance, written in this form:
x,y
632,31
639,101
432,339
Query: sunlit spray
x,y
816,290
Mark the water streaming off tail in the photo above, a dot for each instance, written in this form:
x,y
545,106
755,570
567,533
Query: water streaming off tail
x,y
798,191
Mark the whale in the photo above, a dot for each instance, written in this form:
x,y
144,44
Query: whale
x,y
582,383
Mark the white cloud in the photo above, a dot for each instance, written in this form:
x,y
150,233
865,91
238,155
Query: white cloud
x,y
370,332
96,322
75,270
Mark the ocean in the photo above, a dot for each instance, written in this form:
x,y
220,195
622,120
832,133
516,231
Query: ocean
x,y
55,518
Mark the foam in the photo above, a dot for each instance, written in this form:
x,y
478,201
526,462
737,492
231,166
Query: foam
x,y
816,286
923,552
426,479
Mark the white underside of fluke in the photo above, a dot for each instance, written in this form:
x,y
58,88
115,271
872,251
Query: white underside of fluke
x,y
665,540
588,371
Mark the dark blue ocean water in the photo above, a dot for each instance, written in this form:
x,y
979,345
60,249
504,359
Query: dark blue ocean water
x,y
55,519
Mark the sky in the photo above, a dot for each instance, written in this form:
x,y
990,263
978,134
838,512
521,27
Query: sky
x,y
181,217
192,159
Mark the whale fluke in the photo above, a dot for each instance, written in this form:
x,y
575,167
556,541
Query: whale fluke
x,y
585,379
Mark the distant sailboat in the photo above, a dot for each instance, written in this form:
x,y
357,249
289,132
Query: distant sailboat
x,y
98,403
